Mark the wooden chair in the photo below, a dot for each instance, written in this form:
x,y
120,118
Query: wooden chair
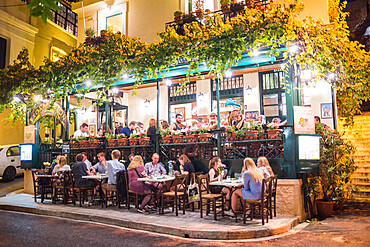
x,y
62,188
262,204
177,197
273,195
82,192
216,200
131,195
115,190
42,187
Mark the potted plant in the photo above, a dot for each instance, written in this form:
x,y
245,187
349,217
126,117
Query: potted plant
x,y
166,136
225,6
204,135
273,131
133,140
188,18
122,140
230,134
110,139
93,142
253,131
144,139
236,7
177,137
74,142
240,134
191,136
178,17
332,184
199,6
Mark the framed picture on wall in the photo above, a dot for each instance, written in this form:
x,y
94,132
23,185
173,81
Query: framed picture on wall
x,y
92,129
180,110
326,110
251,115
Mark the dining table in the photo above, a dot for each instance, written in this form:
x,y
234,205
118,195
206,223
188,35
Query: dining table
x,y
100,177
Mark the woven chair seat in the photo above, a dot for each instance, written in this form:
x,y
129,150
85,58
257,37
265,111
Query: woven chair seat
x,y
172,193
210,196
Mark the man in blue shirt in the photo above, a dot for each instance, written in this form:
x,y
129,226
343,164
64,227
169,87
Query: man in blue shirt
x,y
113,166
128,130
154,168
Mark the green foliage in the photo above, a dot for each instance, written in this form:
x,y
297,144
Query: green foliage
x,y
42,9
109,136
178,12
336,167
220,45
121,136
165,132
225,1
90,32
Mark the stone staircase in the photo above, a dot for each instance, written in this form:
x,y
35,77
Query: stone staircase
x,y
359,135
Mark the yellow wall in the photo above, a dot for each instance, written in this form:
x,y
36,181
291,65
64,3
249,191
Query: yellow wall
x,y
318,9
10,134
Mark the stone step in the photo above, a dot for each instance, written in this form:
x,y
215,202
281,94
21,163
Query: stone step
x,y
364,187
360,174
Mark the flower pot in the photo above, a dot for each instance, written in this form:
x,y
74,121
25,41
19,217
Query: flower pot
x,y
74,144
251,135
225,7
122,142
188,18
324,209
144,141
191,138
178,19
204,137
166,139
94,143
199,13
236,7
240,138
177,139
111,142
231,137
338,205
134,141
273,133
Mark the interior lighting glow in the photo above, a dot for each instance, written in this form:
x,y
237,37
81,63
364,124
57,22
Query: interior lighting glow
x,y
228,73
88,83
115,90
331,76
293,49
124,76
16,99
256,53
168,82
306,74
38,97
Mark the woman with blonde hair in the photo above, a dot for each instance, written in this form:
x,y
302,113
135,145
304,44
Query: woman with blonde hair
x,y
264,167
135,169
252,179
61,166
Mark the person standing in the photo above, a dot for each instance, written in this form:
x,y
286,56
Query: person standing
x,y
128,130
177,125
82,131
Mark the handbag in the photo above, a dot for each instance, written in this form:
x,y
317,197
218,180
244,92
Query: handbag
x,y
193,192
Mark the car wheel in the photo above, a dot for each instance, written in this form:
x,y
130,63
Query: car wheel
x,y
9,174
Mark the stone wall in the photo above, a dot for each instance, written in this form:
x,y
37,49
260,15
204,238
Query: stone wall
x,y
289,198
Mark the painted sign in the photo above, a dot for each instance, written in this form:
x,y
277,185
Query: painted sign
x,y
45,109
303,120
29,134
309,147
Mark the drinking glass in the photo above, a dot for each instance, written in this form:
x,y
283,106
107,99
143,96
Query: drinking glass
x,y
228,178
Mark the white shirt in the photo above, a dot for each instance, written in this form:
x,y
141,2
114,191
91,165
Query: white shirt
x,y
88,164
79,133
264,172
62,169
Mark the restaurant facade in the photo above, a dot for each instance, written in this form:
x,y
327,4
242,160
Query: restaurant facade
x,y
259,86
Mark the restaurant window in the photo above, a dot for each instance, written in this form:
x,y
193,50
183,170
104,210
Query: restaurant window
x,y
273,100
183,100
66,18
2,52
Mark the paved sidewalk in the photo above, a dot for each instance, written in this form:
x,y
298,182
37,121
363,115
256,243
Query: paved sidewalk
x,y
189,225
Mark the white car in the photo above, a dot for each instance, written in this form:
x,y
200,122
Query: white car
x,y
10,162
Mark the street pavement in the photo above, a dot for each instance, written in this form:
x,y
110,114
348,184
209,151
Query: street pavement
x,y
17,229
8,187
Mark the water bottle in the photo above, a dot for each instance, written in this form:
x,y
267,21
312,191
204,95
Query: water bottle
x,y
170,168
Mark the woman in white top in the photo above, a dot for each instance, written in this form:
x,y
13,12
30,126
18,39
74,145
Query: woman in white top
x,y
62,166
264,167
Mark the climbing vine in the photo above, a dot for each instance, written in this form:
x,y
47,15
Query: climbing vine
x,y
216,42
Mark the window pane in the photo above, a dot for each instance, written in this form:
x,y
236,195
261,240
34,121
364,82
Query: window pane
x,y
283,99
271,111
13,151
284,110
270,99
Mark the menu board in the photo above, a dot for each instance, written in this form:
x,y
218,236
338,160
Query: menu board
x,y
309,147
303,120
26,152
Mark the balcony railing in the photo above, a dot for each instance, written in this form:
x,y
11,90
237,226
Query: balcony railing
x,y
66,18
226,14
